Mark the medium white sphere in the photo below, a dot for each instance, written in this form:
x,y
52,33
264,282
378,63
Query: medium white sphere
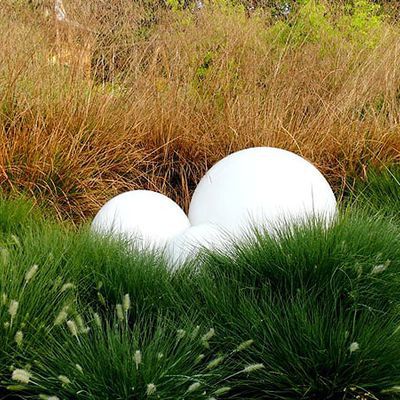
x,y
189,243
147,219
261,186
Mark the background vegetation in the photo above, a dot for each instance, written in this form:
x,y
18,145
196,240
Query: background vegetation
x,y
120,94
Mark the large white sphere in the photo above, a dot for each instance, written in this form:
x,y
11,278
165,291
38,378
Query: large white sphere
x,y
190,242
261,186
145,218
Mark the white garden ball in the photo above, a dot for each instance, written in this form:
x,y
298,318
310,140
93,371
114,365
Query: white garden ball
x,y
147,219
189,243
261,186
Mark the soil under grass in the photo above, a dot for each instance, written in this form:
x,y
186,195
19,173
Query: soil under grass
x,y
313,315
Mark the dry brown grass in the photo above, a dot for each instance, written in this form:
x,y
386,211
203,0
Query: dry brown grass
x,y
119,102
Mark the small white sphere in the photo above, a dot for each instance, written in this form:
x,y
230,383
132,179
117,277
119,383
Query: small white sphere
x,y
190,242
147,219
261,186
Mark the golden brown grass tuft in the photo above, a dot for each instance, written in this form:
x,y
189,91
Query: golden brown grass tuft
x,y
126,97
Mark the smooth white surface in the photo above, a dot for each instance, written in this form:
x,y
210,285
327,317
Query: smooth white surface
x,y
146,218
190,242
263,186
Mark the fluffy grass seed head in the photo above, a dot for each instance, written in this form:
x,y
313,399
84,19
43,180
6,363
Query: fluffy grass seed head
x,y
19,336
21,375
46,397
354,347
244,345
180,334
126,303
253,367
64,379
151,389
67,286
13,308
206,337
101,298
79,368
138,358
16,240
195,332
199,358
72,327
120,312
81,324
62,316
97,320
222,390
193,387
214,363
378,269
31,273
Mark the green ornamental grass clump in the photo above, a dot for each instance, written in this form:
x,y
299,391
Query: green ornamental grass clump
x,y
313,315
379,192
